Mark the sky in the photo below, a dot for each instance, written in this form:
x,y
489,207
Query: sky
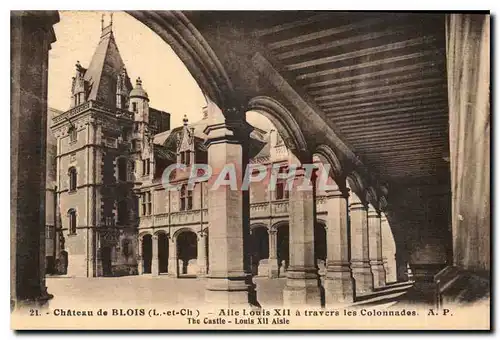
x,y
168,82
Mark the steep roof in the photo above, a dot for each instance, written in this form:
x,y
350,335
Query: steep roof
x,y
102,72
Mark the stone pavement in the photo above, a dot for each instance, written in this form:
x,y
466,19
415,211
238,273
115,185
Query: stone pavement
x,y
140,291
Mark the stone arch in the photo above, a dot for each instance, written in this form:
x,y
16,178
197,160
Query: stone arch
x,y
321,222
282,229
159,232
328,156
320,244
186,243
144,233
194,51
259,247
180,231
256,225
372,197
161,237
279,223
283,120
357,186
146,246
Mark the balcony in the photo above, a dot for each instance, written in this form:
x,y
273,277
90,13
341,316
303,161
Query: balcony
x,y
257,210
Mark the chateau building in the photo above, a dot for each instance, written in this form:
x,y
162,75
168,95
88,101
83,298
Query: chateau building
x,y
112,214
384,98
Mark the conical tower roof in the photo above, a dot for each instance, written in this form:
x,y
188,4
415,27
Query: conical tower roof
x,y
104,68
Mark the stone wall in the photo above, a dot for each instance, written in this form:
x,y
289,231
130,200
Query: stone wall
x,y
468,63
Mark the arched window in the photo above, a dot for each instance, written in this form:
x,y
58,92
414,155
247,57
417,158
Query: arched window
x,y
72,221
72,178
122,169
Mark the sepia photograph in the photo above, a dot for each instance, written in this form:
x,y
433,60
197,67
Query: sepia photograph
x,y
257,170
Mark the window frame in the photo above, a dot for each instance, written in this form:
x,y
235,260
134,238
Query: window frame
x,y
72,221
73,134
72,179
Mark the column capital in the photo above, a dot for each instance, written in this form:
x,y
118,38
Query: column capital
x,y
229,131
271,231
201,234
372,212
338,192
357,205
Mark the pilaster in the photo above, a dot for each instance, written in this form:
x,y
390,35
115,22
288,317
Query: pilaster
x,y
31,36
375,248
273,254
155,266
360,263
172,257
202,253
302,283
339,284
229,279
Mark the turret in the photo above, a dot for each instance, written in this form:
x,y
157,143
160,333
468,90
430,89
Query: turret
x,y
78,86
139,102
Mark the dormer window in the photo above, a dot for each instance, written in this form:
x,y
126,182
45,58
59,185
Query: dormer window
x,y
145,167
185,158
186,197
281,190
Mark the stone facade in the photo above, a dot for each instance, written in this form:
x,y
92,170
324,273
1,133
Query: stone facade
x,y
114,215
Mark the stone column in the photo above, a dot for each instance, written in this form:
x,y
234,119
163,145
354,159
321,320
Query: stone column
x,y
202,253
229,279
375,247
273,255
155,268
401,267
339,284
31,37
388,250
140,260
91,252
360,263
302,283
172,257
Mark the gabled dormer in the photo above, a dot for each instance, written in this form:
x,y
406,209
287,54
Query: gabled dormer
x,y
79,87
105,80
123,88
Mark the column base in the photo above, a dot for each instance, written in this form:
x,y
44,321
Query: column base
x,y
155,269
423,290
202,271
378,272
172,268
273,268
339,285
363,278
302,288
228,292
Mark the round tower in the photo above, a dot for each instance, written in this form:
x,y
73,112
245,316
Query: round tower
x,y
139,102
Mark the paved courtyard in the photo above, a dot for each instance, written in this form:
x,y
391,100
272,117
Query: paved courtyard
x,y
139,291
